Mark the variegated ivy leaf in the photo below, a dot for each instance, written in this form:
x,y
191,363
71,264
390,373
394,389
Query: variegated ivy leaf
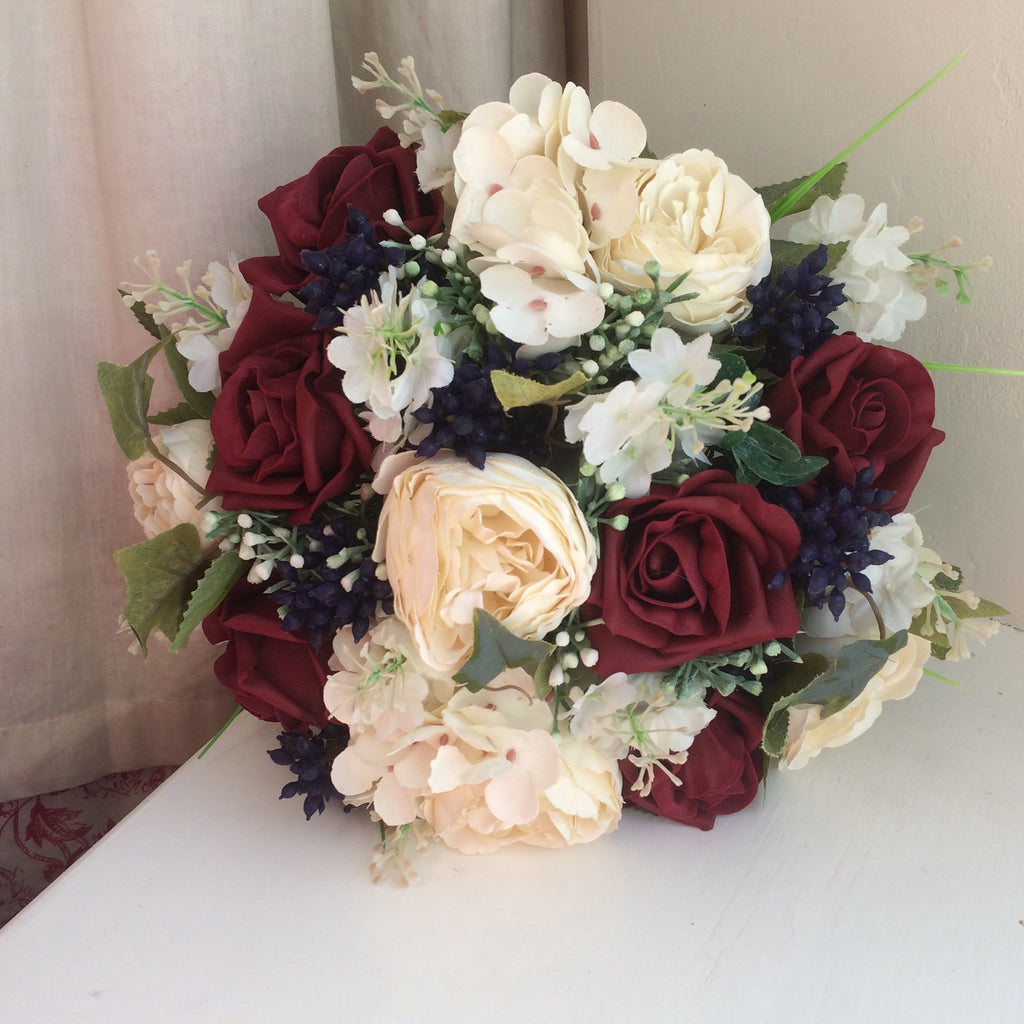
x,y
830,683
496,649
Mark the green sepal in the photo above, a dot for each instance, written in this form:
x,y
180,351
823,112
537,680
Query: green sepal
x,y
842,681
764,453
495,649
219,578
126,390
449,118
831,185
514,391
161,573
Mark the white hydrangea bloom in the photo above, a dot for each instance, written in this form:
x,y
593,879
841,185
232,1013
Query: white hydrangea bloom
x,y
883,296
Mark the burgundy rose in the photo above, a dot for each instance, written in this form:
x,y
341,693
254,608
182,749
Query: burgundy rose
x,y
274,675
689,575
311,212
721,773
286,437
856,404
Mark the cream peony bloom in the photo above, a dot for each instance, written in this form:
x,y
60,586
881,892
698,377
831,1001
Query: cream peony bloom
x,y
508,538
693,217
162,499
809,733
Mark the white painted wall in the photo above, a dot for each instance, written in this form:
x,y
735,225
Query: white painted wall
x,y
777,90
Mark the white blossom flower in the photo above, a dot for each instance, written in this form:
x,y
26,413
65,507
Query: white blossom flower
x,y
673,367
883,293
625,434
390,356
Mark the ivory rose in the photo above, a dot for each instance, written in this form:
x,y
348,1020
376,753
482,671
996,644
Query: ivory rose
x,y
809,733
161,497
508,538
693,217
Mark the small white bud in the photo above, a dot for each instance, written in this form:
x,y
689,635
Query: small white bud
x,y
590,368
588,655
418,242
296,561
635,319
561,638
244,520
393,217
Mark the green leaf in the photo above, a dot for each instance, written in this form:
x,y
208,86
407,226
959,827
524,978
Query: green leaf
x,y
126,390
181,413
145,319
160,573
221,576
733,366
495,649
765,453
514,391
830,184
986,609
790,202
842,681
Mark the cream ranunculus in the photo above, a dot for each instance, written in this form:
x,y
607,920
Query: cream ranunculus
x,y
162,499
809,733
508,538
693,217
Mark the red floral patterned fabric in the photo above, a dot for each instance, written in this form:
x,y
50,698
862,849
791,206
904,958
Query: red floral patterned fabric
x,y
42,835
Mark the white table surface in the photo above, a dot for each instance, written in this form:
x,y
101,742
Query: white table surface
x,y
883,883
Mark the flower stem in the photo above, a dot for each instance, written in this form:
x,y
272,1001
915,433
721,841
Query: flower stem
x,y
220,732
994,371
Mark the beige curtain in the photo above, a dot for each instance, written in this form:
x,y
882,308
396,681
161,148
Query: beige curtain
x,y
137,124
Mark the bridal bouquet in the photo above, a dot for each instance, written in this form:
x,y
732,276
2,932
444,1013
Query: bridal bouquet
x,y
535,476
